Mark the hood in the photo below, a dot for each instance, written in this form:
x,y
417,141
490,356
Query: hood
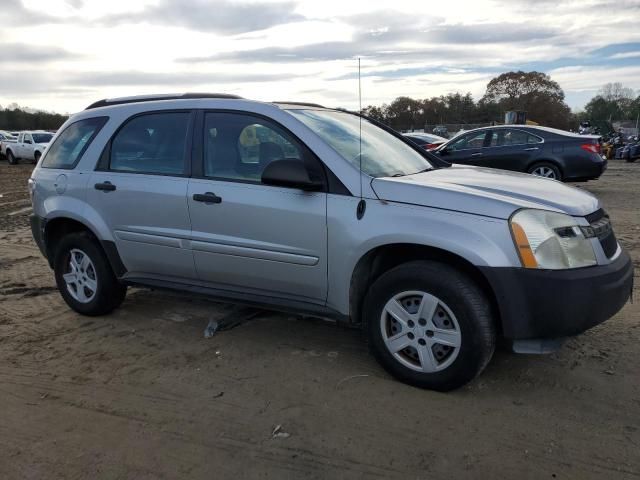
x,y
484,191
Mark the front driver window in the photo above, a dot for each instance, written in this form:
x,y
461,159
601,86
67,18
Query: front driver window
x,y
258,140
239,146
467,142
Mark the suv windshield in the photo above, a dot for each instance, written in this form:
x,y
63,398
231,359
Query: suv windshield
x,y
383,155
42,137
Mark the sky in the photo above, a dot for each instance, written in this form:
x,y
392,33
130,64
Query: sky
x,y
61,55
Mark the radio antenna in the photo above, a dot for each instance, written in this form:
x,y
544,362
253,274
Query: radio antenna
x,y
362,205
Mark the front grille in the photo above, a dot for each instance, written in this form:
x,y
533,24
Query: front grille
x,y
601,228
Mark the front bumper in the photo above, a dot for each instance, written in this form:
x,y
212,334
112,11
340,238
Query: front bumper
x,y
538,304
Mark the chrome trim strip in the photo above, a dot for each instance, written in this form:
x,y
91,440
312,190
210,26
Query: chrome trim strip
x,y
254,253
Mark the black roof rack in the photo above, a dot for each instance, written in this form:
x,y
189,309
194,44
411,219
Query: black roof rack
x,y
302,104
150,98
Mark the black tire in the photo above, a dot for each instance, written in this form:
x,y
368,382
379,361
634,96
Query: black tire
x,y
463,297
556,171
10,158
36,157
109,293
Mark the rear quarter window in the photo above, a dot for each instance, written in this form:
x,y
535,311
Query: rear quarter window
x,y
68,148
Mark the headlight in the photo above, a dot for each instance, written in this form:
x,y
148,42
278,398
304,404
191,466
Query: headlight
x,y
550,240
31,185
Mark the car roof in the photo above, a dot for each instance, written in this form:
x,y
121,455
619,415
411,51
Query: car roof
x,y
533,128
112,102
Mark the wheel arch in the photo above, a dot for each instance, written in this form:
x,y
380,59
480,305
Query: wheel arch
x,y
58,227
380,259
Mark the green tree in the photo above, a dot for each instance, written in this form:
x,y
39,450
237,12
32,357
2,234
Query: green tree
x,y
614,101
405,113
377,113
460,108
16,118
534,92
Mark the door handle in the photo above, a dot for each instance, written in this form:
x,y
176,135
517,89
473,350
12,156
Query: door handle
x,y
207,197
479,154
531,149
105,186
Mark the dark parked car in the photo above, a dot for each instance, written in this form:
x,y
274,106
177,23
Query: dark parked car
x,y
425,140
542,151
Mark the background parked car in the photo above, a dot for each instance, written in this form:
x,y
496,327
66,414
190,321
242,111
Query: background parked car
x,y
630,152
425,140
6,138
542,151
441,130
29,146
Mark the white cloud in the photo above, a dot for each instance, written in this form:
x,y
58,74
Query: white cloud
x,y
81,50
626,55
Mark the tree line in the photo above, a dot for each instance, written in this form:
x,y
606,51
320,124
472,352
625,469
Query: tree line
x,y
18,118
613,102
534,92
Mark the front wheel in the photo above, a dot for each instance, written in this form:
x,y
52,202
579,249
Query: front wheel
x,y
429,325
546,170
11,158
36,157
84,276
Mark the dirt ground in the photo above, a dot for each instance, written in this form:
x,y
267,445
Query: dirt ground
x,y
142,394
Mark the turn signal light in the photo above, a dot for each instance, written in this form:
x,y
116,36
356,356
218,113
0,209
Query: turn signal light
x,y
527,257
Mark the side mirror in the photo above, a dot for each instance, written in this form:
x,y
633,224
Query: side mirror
x,y
289,173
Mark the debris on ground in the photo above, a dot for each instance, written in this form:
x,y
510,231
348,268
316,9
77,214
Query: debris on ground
x,y
278,432
212,328
236,316
350,378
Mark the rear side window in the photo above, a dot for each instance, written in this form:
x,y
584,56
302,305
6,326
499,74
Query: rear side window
x,y
506,137
68,148
151,143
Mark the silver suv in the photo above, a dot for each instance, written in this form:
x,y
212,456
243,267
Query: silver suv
x,y
301,208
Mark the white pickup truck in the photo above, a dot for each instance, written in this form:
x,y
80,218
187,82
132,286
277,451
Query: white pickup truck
x,y
30,146
5,139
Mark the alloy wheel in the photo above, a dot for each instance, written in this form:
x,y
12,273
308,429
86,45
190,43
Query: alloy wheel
x,y
81,279
543,171
420,331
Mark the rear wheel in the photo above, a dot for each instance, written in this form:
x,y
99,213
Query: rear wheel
x,y
546,170
429,325
36,157
84,276
10,158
